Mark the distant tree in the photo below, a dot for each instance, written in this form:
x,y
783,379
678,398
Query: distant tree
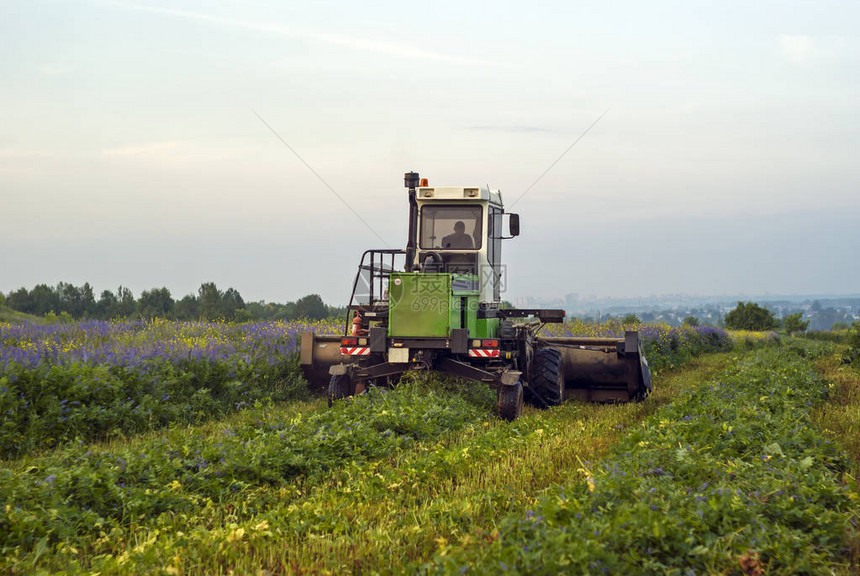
x,y
336,311
45,299
209,301
691,321
826,318
311,307
2,299
126,304
108,306
187,308
88,301
20,300
156,303
231,302
750,316
259,310
242,315
286,312
71,299
631,319
79,302
505,305
795,323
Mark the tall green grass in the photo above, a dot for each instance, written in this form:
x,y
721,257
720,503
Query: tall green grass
x,y
732,478
80,495
425,466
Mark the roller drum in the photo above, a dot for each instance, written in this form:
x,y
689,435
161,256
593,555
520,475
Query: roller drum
x,y
317,355
603,369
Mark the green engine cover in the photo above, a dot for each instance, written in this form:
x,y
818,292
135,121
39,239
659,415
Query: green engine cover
x,y
419,305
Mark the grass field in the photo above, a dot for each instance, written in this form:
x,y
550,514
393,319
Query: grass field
x,y
9,315
741,460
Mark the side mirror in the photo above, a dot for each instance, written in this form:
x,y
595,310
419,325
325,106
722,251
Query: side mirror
x,y
514,225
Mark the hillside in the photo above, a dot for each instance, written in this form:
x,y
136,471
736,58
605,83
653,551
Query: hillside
x,y
13,316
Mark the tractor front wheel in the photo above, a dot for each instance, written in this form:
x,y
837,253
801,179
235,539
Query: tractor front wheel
x,y
546,387
511,401
341,386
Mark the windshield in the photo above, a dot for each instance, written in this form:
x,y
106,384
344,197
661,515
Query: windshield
x,y
451,227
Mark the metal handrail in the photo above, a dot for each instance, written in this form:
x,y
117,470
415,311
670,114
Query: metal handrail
x,y
376,273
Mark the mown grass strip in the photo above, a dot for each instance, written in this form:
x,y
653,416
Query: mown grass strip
x,y
82,496
731,478
392,515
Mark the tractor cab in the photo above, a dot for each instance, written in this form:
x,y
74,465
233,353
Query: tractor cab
x,y
435,306
460,232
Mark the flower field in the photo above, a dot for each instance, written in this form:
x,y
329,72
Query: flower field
x,y
94,379
193,448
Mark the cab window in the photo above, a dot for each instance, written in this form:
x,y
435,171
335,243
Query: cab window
x,y
451,228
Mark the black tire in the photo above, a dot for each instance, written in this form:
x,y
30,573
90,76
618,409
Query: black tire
x,y
511,401
546,387
341,386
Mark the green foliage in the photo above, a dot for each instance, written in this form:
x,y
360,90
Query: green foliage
x,y
156,303
63,318
795,323
691,321
210,303
852,354
15,317
729,470
673,347
733,470
57,403
311,307
750,316
94,492
187,308
631,319
213,304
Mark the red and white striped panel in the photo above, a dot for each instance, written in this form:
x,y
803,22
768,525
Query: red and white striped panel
x,y
359,351
481,353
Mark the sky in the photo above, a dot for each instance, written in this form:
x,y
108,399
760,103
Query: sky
x,y
651,148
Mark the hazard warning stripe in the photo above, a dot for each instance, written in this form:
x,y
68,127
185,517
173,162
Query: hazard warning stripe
x,y
479,353
365,351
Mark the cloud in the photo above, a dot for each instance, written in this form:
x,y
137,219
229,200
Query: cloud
x,y
19,154
517,129
154,148
355,43
803,50
174,152
800,50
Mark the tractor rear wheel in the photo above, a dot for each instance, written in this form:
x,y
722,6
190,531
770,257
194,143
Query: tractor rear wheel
x,y
341,386
547,385
511,401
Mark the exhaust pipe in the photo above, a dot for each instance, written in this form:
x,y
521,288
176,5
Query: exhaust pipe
x,y
411,181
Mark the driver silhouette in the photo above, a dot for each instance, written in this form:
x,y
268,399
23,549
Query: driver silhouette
x,y
459,240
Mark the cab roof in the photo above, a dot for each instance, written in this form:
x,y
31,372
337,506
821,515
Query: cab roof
x,y
465,193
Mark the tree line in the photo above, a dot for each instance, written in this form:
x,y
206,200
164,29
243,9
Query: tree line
x,y
210,303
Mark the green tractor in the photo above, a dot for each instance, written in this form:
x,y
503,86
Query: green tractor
x,y
435,306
